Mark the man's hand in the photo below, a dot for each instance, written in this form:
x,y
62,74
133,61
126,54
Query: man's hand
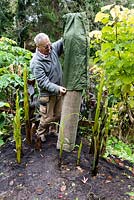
x,y
62,90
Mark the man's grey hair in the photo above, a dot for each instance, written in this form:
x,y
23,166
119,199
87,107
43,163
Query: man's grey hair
x,y
39,37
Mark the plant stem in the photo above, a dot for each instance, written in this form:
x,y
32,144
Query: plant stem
x,y
79,153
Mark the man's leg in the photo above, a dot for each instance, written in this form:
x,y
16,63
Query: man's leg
x,y
47,105
43,126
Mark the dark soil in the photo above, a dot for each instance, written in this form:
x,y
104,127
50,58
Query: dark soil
x,y
39,177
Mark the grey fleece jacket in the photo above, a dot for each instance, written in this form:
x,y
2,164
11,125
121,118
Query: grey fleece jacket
x,y
47,70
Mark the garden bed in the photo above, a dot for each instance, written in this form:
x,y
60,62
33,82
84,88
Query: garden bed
x,y
39,177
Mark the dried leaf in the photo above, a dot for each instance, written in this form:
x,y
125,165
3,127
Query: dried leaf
x,y
107,181
11,183
80,169
84,180
20,174
67,169
121,164
63,188
109,178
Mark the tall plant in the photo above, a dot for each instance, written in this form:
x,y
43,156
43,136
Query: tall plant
x,y
96,130
17,130
114,45
101,127
26,106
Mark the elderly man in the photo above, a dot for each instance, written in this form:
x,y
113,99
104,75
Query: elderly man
x,y
47,71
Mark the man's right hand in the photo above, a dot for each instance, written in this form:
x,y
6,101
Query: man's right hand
x,y
62,90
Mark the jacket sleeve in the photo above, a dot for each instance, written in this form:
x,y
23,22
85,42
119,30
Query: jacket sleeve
x,y
58,46
43,80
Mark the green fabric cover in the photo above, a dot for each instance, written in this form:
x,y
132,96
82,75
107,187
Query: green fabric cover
x,y
76,46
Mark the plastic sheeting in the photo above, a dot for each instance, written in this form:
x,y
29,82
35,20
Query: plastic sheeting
x,y
75,51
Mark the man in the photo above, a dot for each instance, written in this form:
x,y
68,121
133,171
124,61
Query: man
x,y
47,71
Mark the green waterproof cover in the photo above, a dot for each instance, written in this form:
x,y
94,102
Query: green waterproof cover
x,y
76,47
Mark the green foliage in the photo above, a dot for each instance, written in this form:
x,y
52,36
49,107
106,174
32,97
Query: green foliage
x,y
21,20
5,120
26,99
26,106
130,194
1,142
12,61
97,114
4,104
120,149
88,6
79,153
113,46
7,13
1,139
10,53
98,129
116,48
49,12
17,130
34,16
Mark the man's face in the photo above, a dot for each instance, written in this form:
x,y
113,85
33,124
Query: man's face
x,y
45,46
